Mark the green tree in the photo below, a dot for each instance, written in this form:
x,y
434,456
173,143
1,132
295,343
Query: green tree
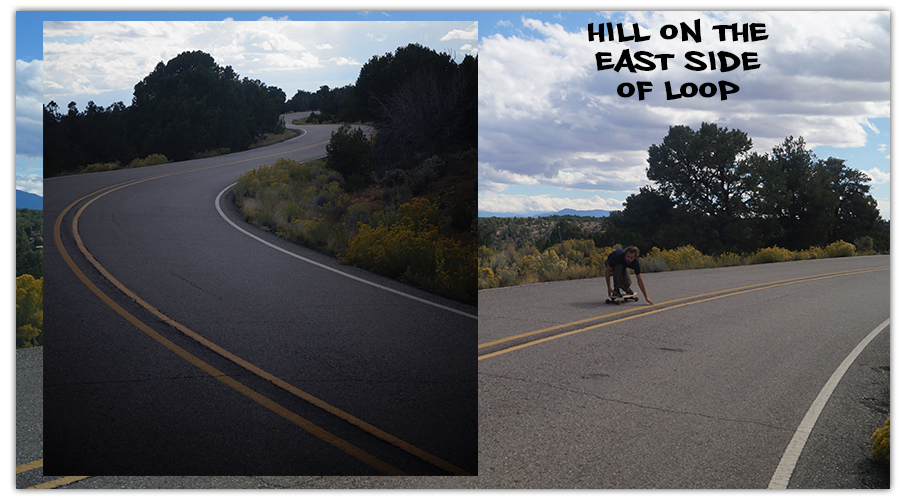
x,y
349,153
430,113
191,104
29,236
791,196
856,211
698,171
381,75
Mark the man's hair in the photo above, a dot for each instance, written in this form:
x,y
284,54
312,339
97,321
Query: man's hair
x,y
633,249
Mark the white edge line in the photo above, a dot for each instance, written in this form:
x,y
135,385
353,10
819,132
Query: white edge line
x,y
785,469
304,259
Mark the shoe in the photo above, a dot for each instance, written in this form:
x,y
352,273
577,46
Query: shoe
x,y
616,294
628,292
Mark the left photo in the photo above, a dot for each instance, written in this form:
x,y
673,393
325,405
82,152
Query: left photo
x,y
258,245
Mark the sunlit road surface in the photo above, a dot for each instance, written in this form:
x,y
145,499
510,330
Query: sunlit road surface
x,y
704,389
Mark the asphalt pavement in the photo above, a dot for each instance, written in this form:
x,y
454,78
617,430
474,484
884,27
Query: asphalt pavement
x,y
181,340
836,455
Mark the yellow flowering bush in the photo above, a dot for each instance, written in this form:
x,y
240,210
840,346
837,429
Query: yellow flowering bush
x,y
686,257
309,203
881,443
154,159
729,259
810,253
413,250
100,167
29,311
840,248
771,254
546,264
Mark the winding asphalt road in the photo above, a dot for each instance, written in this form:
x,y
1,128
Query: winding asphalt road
x,y
180,341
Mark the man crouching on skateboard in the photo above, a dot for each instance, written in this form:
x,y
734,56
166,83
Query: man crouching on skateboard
x,y
618,264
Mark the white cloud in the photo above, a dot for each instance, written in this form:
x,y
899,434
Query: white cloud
x,y
102,61
548,117
29,107
470,33
345,61
878,177
523,204
30,174
30,183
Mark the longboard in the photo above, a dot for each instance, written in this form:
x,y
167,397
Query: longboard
x,y
619,300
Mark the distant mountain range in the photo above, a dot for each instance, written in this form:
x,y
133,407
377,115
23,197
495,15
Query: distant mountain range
x,y
28,200
565,211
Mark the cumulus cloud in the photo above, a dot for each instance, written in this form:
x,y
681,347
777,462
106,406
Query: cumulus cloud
x,y
878,177
489,201
103,60
345,61
470,33
548,116
30,183
29,107
30,174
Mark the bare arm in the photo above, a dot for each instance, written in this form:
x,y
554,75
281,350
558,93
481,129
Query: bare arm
x,y
640,281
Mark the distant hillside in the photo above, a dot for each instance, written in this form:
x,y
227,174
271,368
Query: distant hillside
x,y
28,200
565,211
537,231
579,213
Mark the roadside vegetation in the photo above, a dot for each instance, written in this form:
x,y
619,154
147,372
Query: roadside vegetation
x,y
29,278
578,259
418,232
881,444
400,202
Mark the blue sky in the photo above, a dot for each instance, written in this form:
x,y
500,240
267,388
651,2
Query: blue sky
x,y
553,132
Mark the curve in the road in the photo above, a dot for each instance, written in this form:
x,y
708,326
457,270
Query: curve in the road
x,y
260,399
782,475
331,269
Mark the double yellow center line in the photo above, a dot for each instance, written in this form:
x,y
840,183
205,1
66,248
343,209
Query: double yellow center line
x,y
246,391
47,485
673,304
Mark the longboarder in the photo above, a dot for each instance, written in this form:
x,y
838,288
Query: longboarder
x,y
617,265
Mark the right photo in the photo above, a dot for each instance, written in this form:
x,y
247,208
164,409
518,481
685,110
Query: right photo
x,y
684,249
